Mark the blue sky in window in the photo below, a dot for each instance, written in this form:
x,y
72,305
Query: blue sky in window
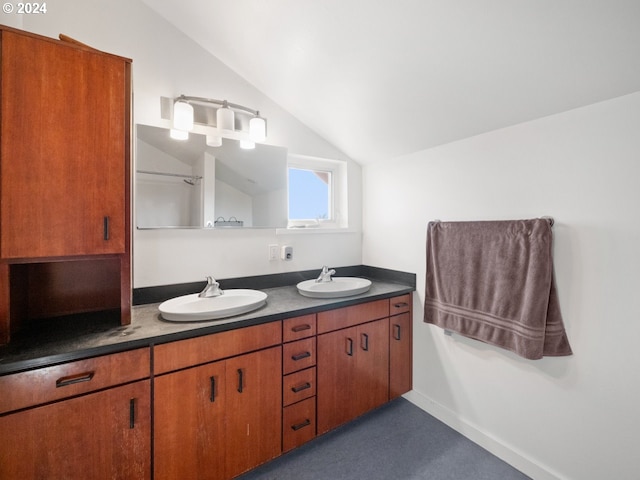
x,y
308,195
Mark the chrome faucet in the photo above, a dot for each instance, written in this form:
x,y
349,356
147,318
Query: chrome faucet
x,y
211,290
325,275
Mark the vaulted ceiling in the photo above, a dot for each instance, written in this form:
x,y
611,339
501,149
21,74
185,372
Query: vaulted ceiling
x,y
383,78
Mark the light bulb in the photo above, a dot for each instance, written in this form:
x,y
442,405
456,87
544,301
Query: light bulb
x,y
182,116
225,118
214,141
178,134
258,129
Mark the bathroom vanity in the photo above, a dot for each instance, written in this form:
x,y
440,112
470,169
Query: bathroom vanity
x,y
201,400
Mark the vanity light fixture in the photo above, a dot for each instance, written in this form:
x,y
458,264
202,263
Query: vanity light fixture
x,y
216,119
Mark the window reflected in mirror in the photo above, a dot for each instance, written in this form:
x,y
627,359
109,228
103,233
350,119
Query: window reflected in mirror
x,y
309,194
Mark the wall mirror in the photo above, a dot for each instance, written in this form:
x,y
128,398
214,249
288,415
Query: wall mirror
x,y
188,184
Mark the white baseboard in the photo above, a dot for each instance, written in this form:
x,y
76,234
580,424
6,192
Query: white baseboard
x,y
501,450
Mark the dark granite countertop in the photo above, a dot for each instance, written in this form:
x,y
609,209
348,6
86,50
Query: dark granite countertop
x,y
52,341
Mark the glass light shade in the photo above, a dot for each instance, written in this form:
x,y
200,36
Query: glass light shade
x,y
247,144
225,119
257,129
214,141
178,134
182,116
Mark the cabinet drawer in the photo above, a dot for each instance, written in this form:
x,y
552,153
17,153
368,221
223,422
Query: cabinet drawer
x,y
43,385
298,355
298,424
298,386
401,304
298,327
350,316
209,348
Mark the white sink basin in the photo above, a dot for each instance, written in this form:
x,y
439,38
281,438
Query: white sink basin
x,y
338,287
190,308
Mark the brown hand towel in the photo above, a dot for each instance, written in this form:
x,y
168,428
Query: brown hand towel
x,y
493,281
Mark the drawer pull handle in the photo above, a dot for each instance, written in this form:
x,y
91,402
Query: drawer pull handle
x,y
300,388
365,342
240,380
400,305
300,356
301,328
212,381
132,413
105,228
71,379
298,426
350,347
396,331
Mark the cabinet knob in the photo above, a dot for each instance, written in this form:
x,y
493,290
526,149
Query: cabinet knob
x,y
132,413
400,305
212,396
300,388
240,380
350,347
71,379
300,356
301,328
298,426
396,331
365,342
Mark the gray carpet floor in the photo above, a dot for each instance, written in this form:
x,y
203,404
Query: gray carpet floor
x,y
398,441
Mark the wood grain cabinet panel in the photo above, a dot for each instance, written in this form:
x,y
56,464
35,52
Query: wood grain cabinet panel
x,y
101,435
189,423
35,387
400,355
63,145
298,327
298,386
361,364
298,424
298,355
218,420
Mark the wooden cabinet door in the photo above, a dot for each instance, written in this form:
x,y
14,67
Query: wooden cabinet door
x,y
62,149
189,422
353,372
102,435
254,406
337,377
400,355
372,366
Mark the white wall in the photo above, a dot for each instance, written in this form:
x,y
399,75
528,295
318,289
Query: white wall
x,y
167,63
568,417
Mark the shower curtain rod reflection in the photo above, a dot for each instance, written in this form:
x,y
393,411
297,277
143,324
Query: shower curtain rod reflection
x,y
192,178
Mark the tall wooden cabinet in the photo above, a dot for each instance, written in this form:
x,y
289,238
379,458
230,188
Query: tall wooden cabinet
x,y
65,123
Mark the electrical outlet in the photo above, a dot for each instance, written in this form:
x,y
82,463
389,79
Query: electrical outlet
x,y
286,252
273,253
